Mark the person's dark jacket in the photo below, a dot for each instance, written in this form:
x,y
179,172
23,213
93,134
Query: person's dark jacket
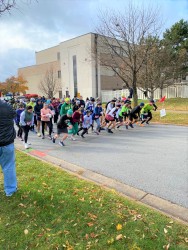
x,y
136,110
38,108
7,131
64,119
82,103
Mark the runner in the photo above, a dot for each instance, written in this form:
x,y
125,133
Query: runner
x,y
62,127
76,118
26,123
124,114
96,116
17,121
87,123
135,113
46,114
65,107
37,111
111,118
146,114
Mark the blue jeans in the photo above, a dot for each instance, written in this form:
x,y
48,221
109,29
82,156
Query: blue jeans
x,y
7,162
98,123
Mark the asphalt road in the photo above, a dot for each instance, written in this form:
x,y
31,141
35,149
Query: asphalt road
x,y
152,158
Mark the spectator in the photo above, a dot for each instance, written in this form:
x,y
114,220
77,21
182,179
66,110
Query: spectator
x,y
7,154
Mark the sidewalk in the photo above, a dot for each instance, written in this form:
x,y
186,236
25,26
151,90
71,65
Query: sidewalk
x,y
44,152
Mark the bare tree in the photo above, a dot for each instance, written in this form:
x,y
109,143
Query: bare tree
x,y
162,67
122,47
8,5
49,85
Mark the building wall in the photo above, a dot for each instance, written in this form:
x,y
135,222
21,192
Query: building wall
x,y
81,48
34,74
47,55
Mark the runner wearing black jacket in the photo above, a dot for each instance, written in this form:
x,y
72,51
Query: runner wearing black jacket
x,y
62,127
37,110
135,113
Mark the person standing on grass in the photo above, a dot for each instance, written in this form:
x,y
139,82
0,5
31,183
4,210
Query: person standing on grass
x,y
7,153
62,127
46,115
26,123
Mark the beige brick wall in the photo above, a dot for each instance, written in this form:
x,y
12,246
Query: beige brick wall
x,y
47,55
34,74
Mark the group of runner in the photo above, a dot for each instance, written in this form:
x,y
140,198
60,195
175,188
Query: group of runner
x,y
75,117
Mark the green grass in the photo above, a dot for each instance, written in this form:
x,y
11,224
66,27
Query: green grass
x,y
171,118
176,104
55,210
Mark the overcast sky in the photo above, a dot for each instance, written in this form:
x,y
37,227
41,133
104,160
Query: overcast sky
x,y
40,24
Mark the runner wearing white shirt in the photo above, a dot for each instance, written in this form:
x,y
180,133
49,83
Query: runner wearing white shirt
x,y
111,117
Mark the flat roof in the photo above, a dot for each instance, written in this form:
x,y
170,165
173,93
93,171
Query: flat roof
x,y
67,41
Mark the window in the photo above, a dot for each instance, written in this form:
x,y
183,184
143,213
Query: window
x,y
60,94
59,73
58,56
75,75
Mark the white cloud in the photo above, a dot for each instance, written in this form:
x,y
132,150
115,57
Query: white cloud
x,y
44,24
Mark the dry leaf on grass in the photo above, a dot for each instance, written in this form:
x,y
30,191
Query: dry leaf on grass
x,y
26,231
119,237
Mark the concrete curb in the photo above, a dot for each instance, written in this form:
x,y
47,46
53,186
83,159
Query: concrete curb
x,y
166,207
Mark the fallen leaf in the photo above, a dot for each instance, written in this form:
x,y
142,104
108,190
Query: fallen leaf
x,y
21,205
87,236
119,237
110,241
165,231
26,231
119,227
186,240
92,216
90,224
166,247
93,235
171,222
82,199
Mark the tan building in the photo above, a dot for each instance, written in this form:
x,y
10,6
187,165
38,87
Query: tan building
x,y
76,69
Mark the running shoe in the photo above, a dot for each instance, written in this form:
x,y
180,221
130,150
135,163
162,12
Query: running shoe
x,y
26,146
82,136
96,132
141,125
61,144
110,131
39,135
43,137
72,138
53,140
131,125
126,126
49,137
102,128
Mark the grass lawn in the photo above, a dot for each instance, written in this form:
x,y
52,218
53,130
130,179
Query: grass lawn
x,y
55,210
171,118
176,104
